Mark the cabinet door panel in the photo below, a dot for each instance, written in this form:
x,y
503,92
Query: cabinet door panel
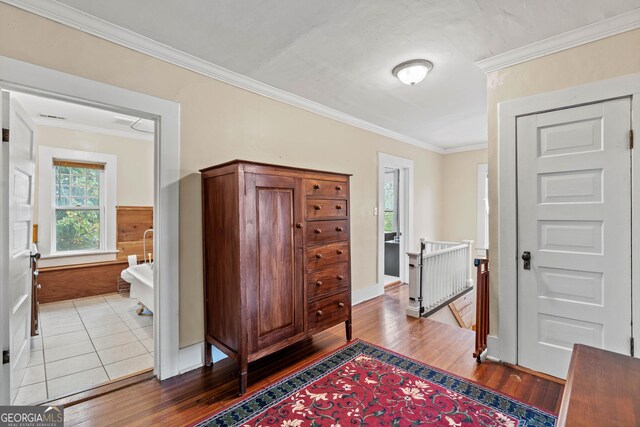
x,y
278,296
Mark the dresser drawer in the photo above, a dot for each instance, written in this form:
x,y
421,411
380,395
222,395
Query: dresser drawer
x,y
320,187
327,231
326,208
322,256
327,280
328,311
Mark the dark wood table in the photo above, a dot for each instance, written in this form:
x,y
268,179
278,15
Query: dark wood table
x,y
602,389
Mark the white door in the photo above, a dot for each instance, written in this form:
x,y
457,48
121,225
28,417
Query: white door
x,y
18,166
574,219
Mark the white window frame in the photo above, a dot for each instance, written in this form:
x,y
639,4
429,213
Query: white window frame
x,y
396,198
482,238
47,206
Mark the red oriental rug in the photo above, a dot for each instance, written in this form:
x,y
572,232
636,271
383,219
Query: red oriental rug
x,y
365,385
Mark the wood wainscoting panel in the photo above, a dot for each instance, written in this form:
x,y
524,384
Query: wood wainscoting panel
x,y
78,281
132,223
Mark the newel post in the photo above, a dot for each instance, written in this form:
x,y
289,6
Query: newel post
x,y
469,244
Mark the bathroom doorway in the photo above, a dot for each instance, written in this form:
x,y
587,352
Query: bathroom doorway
x,y
18,76
392,233
395,219
90,310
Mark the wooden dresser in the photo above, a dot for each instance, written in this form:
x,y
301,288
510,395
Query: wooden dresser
x,y
276,257
602,389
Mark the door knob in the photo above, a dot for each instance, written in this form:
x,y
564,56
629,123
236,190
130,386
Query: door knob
x,y
526,257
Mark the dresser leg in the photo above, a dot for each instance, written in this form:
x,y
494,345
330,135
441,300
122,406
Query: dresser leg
x,y
347,326
243,382
207,354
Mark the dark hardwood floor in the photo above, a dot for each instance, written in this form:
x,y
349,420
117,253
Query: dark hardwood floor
x,y
381,321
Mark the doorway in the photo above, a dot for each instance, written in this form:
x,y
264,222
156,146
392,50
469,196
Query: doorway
x,y
563,235
392,233
574,233
17,76
395,219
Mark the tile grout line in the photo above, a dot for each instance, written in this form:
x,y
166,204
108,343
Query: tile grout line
x,y
86,330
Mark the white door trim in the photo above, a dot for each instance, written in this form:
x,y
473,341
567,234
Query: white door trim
x,y
406,201
38,80
507,256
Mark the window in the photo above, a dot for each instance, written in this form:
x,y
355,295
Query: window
x,y
78,205
76,211
391,180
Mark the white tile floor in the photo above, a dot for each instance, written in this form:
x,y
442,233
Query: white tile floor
x,y
86,342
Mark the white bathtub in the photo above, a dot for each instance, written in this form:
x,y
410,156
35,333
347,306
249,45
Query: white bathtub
x,y
141,278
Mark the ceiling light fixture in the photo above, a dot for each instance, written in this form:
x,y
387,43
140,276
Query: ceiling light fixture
x,y
412,72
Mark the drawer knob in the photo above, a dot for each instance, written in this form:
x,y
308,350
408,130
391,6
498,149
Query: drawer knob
x,y
338,207
338,187
317,207
318,283
318,256
319,312
318,231
299,225
340,304
339,229
316,186
340,277
339,251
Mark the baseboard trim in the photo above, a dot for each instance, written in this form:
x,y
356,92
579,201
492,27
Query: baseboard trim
x,y
363,294
191,357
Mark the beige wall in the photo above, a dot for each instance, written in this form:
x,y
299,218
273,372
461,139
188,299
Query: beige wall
x,y
220,122
607,58
460,195
135,159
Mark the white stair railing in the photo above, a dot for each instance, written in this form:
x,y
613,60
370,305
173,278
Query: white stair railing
x,y
447,268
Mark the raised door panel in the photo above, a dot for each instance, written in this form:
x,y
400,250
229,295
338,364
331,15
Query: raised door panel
x,y
278,305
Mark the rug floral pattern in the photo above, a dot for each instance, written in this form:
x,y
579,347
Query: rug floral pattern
x,y
365,385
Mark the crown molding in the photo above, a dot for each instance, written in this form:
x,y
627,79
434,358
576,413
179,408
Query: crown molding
x,y
90,24
92,129
598,30
462,148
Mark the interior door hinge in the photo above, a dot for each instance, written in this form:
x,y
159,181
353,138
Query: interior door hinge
x,y
631,139
631,345
5,357
5,135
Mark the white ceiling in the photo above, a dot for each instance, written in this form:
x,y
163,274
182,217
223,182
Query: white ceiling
x,y
84,118
340,53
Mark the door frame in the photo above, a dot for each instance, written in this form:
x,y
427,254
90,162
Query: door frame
x,y
406,211
25,77
504,345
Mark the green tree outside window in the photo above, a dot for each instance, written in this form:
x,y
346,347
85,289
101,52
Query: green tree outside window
x,y
77,210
